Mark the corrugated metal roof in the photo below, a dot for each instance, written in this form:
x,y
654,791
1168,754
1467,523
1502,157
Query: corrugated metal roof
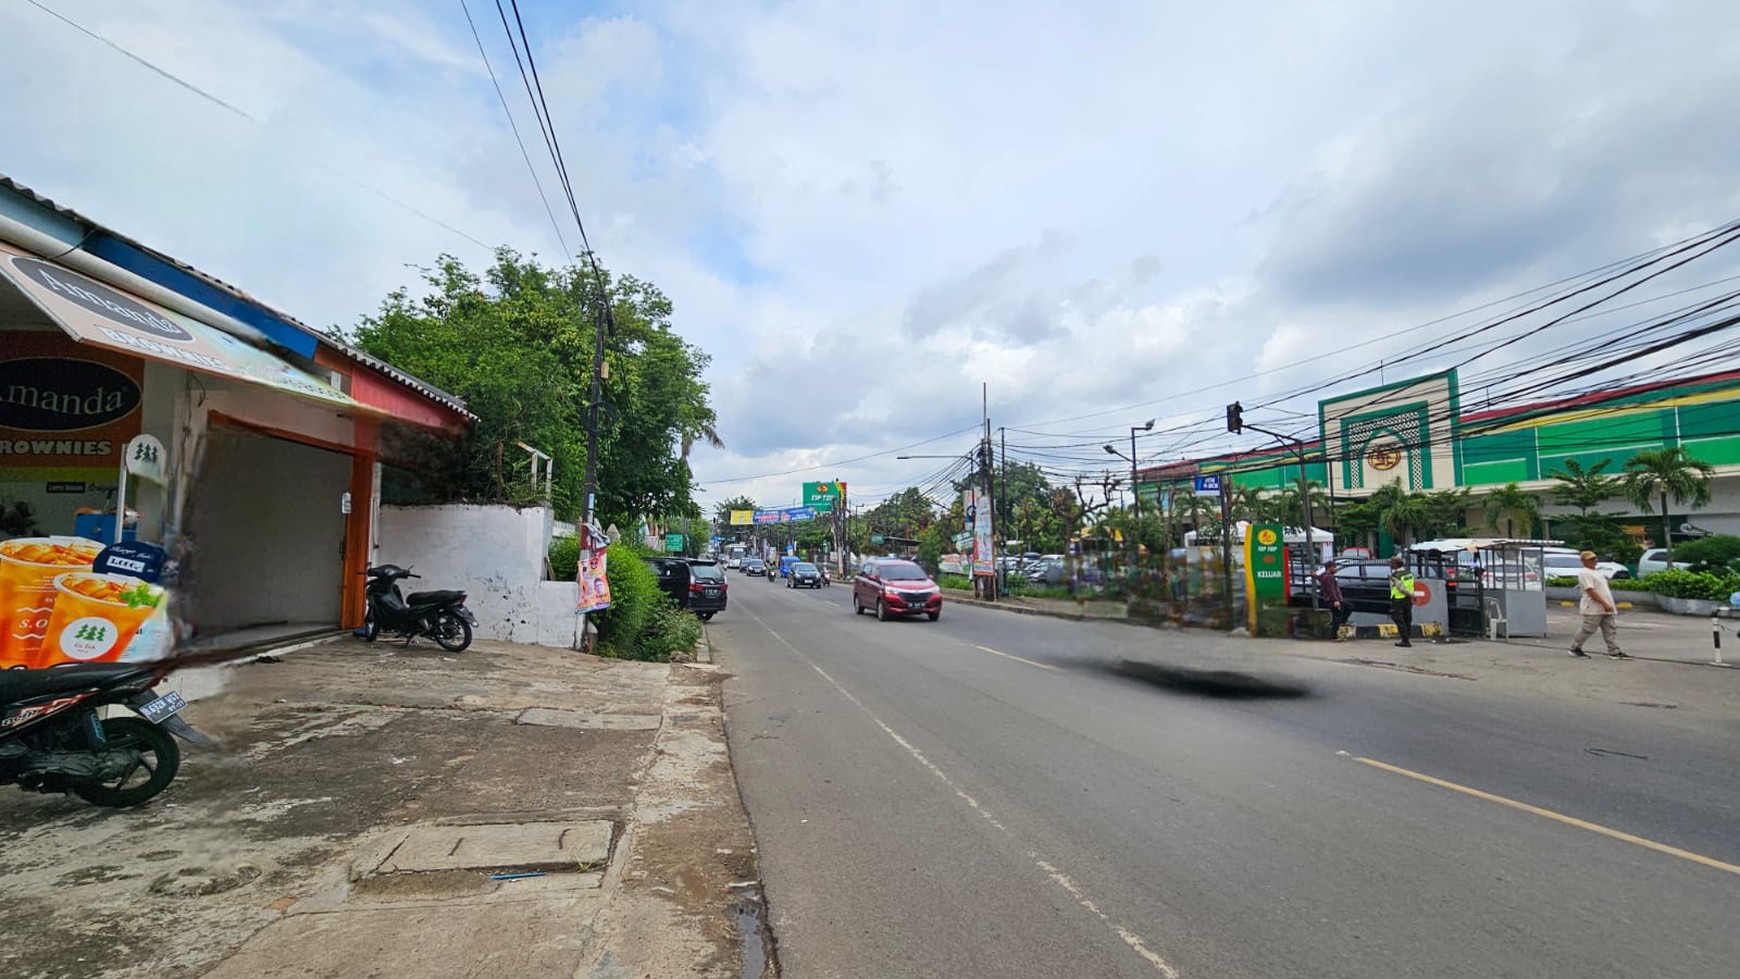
x,y
381,367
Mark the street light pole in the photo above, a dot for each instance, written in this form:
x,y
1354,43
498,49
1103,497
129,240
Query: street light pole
x,y
1147,426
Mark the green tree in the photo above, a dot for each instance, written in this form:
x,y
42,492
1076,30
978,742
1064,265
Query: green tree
x,y
1288,509
1448,511
722,513
516,343
1403,514
1585,489
1664,474
1512,505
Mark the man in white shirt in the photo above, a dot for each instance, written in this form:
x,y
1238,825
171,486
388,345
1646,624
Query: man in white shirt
x,y
1597,609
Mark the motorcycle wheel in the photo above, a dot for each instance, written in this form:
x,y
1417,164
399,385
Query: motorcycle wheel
x,y
371,627
451,632
159,759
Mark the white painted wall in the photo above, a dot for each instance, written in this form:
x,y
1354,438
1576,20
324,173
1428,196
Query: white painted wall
x,y
493,553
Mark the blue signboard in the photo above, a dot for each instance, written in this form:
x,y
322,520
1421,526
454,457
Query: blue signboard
x,y
1208,484
790,514
135,558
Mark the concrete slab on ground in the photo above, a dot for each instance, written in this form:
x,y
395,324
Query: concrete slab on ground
x,y
547,717
502,846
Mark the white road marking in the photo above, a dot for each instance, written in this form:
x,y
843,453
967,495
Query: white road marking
x,y
1018,659
1136,942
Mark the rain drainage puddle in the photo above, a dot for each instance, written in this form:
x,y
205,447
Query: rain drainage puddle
x,y
752,931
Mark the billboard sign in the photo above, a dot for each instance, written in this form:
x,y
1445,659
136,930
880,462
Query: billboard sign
x,y
673,542
821,497
1208,484
742,518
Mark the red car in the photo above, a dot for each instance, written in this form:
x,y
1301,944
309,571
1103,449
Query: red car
x,y
893,587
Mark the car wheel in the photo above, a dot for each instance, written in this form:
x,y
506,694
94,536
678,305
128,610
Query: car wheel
x,y
857,607
881,610
706,616
934,615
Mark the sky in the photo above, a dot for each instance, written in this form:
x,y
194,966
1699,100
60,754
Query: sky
x,y
1094,212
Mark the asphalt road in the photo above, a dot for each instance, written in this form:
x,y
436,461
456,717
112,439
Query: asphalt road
x,y
925,806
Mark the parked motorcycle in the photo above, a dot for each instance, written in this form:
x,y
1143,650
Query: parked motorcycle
x,y
52,739
440,615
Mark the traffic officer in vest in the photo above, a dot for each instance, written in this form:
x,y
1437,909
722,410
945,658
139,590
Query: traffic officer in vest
x,y
1402,599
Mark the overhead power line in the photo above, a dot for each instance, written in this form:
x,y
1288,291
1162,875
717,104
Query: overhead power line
x,y
555,225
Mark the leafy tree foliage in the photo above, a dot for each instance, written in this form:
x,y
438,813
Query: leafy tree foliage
x,y
516,343
1665,473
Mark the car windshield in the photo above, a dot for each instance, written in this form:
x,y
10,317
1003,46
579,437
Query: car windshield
x,y
707,572
902,572
803,566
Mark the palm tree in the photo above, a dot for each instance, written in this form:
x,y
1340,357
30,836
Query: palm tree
x,y
1664,473
1585,489
1244,502
1287,509
1400,512
1509,503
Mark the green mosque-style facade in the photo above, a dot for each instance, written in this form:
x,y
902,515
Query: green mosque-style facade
x,y
1423,433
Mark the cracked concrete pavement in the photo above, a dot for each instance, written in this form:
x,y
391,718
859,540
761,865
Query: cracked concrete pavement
x,y
380,810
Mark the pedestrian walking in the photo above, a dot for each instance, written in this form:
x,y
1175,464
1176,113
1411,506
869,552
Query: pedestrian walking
x,y
1329,593
1402,599
1597,608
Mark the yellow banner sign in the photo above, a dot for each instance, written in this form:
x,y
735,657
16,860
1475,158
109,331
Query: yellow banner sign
x,y
742,518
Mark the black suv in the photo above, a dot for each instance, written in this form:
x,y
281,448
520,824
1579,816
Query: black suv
x,y
694,584
1365,585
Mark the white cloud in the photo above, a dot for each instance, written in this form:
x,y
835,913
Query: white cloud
x,y
864,211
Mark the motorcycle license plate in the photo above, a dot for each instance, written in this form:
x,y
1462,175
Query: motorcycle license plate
x,y
162,708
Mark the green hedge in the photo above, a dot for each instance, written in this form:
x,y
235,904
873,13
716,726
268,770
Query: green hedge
x,y
565,559
1672,584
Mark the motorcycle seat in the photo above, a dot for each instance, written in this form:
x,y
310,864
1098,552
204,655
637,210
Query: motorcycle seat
x,y
434,597
16,685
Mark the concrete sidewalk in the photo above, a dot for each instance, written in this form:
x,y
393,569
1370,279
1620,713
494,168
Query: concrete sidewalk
x,y
381,810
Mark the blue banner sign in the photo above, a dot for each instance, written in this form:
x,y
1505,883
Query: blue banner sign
x,y
1208,484
789,514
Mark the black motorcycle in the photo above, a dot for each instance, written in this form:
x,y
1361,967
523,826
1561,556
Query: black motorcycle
x,y
52,739
440,615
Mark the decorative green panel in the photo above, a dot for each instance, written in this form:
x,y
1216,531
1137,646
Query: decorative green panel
x,y
1496,473
1705,421
1646,429
1718,451
1504,448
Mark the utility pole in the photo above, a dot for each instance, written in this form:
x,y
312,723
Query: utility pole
x,y
988,506
601,324
1235,423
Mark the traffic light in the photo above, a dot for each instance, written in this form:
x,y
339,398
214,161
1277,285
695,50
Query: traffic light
x,y
1235,419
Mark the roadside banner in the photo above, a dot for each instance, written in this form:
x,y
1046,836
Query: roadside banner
x,y
790,514
1265,569
742,518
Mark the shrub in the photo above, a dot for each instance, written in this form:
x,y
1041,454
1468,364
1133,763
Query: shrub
x,y
1692,584
634,597
669,630
959,581
1717,554
564,559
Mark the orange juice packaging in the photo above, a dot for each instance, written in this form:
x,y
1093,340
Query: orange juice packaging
x,y
28,567
95,616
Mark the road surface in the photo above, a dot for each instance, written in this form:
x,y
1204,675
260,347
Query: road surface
x,y
975,797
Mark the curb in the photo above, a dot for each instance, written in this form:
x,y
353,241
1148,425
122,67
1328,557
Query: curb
x,y
1047,613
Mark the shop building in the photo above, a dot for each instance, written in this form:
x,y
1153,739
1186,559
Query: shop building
x,y
272,432
1422,433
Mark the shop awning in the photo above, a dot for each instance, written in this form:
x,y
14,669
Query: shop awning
x,y
99,314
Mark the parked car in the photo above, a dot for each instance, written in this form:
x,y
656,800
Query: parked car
x,y
893,587
693,584
1365,585
1655,559
1566,564
804,575
1051,569
708,590
754,566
